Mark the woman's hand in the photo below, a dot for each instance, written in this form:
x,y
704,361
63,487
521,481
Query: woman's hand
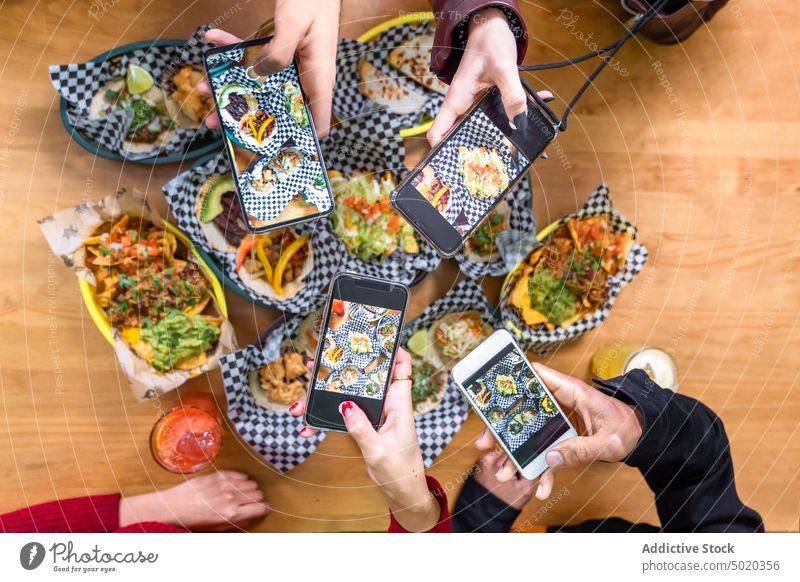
x,y
310,31
609,429
489,59
392,453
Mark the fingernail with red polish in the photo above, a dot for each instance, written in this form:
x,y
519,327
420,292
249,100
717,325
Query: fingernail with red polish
x,y
293,406
303,429
346,408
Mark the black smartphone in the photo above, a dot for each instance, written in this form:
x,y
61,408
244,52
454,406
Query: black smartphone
x,y
270,140
358,341
456,186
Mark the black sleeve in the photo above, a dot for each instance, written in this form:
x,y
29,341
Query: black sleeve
x,y
479,510
685,457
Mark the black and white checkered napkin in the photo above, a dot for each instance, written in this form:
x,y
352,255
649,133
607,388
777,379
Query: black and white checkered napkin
x,y
466,210
363,322
541,340
521,219
437,427
78,83
372,144
273,435
530,393
350,103
181,193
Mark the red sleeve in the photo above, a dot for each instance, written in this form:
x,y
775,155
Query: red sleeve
x,y
444,525
95,514
150,527
451,31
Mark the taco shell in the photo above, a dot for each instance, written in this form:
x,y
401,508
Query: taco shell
x,y
262,287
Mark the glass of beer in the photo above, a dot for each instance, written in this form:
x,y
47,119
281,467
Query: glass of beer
x,y
615,359
188,437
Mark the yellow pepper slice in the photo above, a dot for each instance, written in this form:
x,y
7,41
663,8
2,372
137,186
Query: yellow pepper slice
x,y
263,128
252,127
438,195
286,256
262,256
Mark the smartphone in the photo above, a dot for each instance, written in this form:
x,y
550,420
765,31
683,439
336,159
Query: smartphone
x,y
270,140
359,336
507,393
456,186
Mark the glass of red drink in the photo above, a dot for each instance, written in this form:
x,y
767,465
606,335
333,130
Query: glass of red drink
x,y
189,436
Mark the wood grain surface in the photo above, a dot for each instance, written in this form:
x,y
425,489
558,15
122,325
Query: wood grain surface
x,y
704,157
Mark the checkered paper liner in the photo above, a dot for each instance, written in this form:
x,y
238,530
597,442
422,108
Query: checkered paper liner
x,y
273,435
437,427
521,219
542,340
509,365
350,103
372,145
359,322
466,210
181,193
79,83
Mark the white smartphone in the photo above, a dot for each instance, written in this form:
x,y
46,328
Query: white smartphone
x,y
507,393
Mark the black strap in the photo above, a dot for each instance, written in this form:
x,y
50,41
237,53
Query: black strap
x,y
607,52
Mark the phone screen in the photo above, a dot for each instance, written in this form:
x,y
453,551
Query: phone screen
x,y
456,186
270,139
358,342
512,399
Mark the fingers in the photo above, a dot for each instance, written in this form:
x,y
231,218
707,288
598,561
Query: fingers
x,y
398,394
299,409
485,441
545,487
457,101
507,472
513,96
360,428
317,68
575,452
568,391
279,52
220,37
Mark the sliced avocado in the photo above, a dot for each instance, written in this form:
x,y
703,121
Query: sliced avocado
x,y
212,201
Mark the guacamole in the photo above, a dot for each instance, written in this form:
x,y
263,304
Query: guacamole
x,y
178,337
550,296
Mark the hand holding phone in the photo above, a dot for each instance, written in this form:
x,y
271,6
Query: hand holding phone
x,y
447,196
508,395
392,452
609,429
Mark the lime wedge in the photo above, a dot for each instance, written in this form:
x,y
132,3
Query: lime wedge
x,y
418,343
139,79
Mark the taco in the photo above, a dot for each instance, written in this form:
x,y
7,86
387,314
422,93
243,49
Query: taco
x,y
151,127
364,220
153,294
187,106
307,334
413,58
567,278
506,385
388,91
295,104
483,171
275,264
429,386
481,247
433,189
252,125
454,336
220,214
279,384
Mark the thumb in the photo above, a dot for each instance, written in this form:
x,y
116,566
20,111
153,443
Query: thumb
x,y
360,428
279,53
457,101
513,95
574,452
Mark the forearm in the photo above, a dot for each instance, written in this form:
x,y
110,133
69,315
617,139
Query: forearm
x,y
95,514
452,20
419,510
684,456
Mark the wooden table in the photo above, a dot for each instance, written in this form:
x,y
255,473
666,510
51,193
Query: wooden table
x,y
704,157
